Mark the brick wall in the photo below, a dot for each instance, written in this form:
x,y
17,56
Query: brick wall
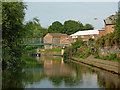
x,y
66,39
87,37
101,33
56,40
109,28
106,51
48,38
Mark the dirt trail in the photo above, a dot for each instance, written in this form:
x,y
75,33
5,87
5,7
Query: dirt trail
x,y
91,57
103,64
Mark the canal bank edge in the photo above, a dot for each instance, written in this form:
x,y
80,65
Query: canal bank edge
x,y
103,66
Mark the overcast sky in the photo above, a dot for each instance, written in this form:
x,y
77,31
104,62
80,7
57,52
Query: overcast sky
x,y
85,12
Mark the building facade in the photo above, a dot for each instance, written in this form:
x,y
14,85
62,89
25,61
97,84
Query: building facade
x,y
109,24
87,34
56,38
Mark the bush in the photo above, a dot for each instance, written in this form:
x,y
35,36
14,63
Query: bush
x,y
105,58
113,56
96,56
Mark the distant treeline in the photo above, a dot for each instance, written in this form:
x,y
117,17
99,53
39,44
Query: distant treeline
x,y
69,27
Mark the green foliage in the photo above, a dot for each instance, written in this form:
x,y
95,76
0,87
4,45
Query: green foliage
x,y
30,49
55,59
111,38
12,31
33,29
83,52
96,56
77,50
113,57
56,27
88,27
117,30
105,57
67,53
79,42
91,42
69,27
53,50
100,42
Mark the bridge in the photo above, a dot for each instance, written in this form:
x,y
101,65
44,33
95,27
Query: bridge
x,y
46,44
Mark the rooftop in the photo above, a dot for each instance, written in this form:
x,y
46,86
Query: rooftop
x,y
57,34
86,32
111,19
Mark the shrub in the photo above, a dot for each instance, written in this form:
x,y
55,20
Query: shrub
x,y
113,57
96,56
105,57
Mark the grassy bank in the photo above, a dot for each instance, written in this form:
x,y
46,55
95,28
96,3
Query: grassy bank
x,y
55,59
53,50
29,60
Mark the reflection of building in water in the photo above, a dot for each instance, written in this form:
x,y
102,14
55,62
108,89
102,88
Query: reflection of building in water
x,y
38,58
107,81
55,68
52,67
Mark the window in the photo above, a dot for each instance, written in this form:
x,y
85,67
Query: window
x,y
88,37
93,37
97,37
67,39
74,40
51,39
82,36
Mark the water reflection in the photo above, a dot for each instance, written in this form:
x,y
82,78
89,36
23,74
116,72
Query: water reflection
x,y
55,73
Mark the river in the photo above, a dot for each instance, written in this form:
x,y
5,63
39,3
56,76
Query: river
x,y
55,73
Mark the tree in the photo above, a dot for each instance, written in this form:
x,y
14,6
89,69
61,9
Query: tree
x,y
34,29
79,42
12,31
88,27
91,42
117,30
71,26
56,27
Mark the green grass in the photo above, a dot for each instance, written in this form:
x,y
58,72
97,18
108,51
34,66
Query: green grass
x,y
112,57
102,63
29,60
53,50
55,59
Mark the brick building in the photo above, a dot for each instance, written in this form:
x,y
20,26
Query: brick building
x,y
66,39
56,38
109,24
87,34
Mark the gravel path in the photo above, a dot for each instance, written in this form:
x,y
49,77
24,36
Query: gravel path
x,y
103,64
102,61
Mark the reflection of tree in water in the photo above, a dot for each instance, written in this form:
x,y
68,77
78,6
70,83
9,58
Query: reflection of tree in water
x,y
56,80
107,81
19,78
71,75
13,78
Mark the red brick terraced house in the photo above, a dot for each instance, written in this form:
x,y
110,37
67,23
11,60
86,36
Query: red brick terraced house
x,y
87,34
56,38
109,24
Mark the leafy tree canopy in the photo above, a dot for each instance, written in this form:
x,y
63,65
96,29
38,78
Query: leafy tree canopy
x,y
12,31
88,27
69,27
34,29
56,27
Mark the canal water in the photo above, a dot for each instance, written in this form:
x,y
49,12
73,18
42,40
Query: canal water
x,y
53,72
